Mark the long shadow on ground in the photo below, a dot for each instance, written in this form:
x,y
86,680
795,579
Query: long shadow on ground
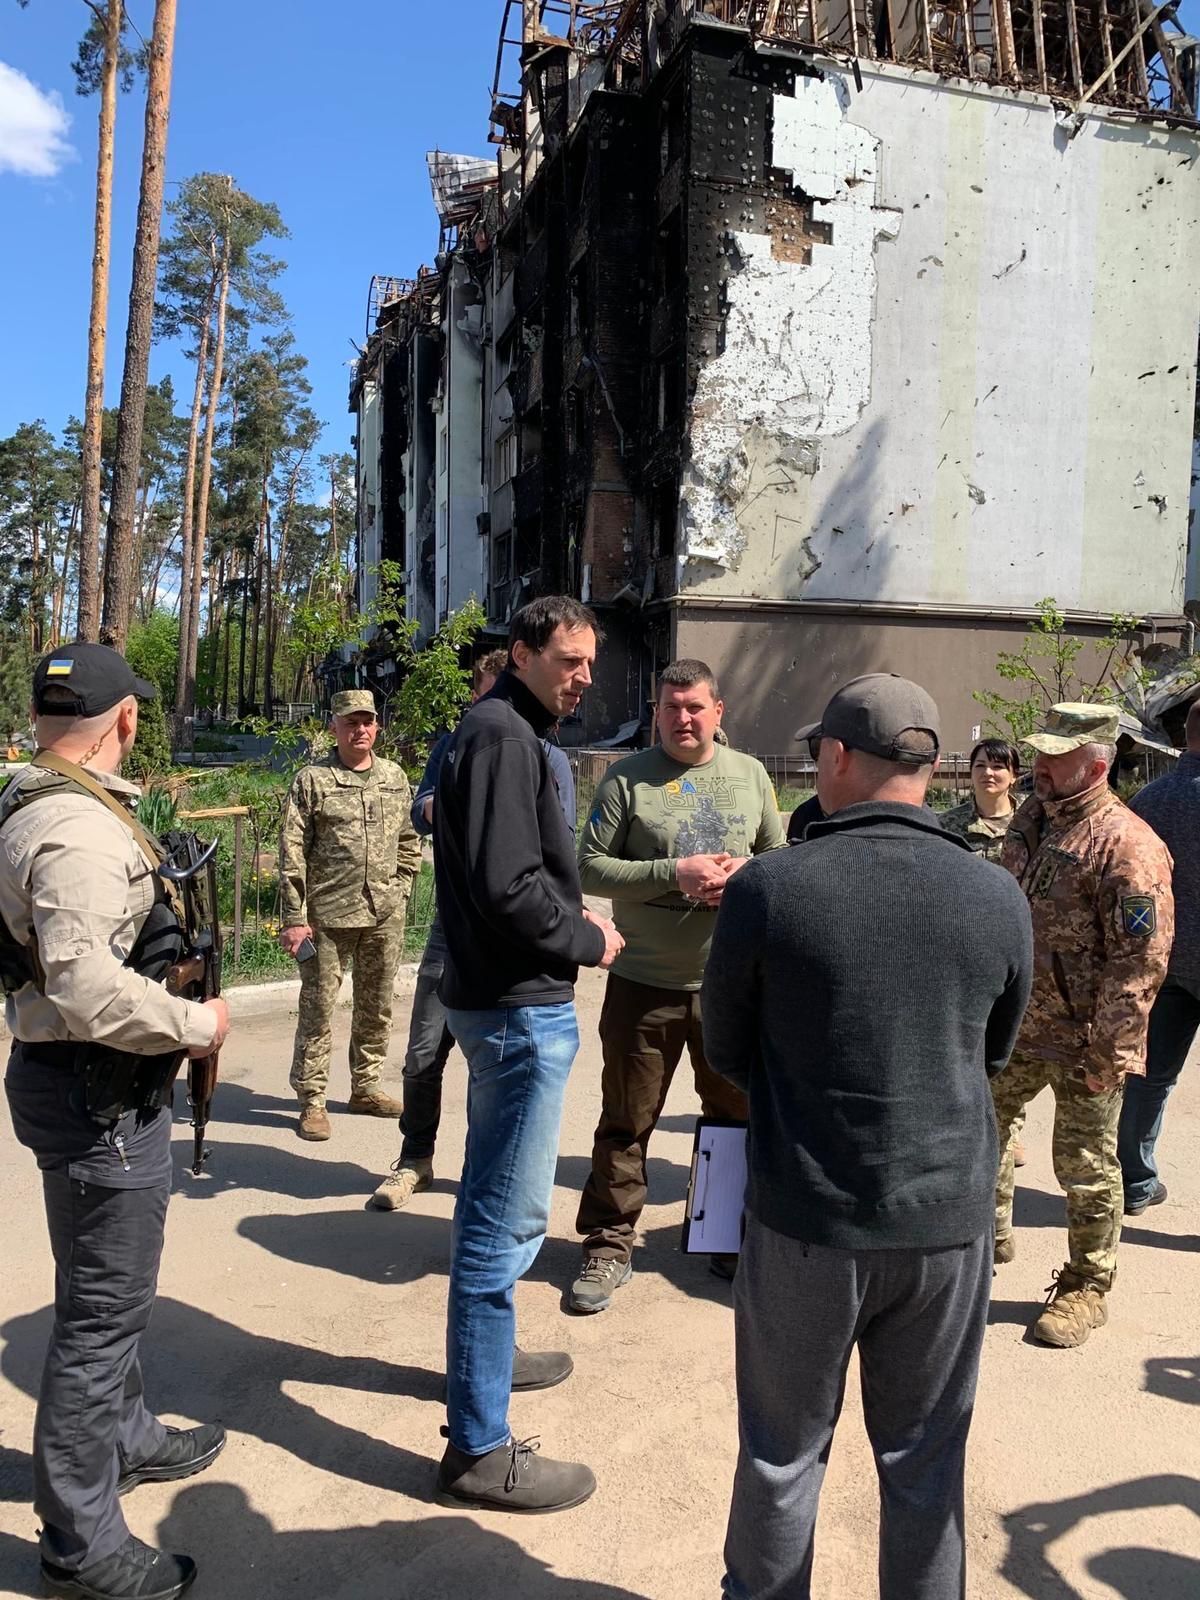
x,y
198,1365
1132,1572
439,1557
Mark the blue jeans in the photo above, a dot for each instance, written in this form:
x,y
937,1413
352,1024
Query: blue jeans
x,y
518,1061
1173,1023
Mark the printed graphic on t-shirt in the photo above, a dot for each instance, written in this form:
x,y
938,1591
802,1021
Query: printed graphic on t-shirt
x,y
706,831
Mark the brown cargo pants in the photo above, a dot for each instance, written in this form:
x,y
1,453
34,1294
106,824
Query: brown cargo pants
x,y
643,1032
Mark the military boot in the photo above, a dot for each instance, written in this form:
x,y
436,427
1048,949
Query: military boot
x,y
1074,1308
511,1478
406,1179
374,1103
314,1123
1005,1251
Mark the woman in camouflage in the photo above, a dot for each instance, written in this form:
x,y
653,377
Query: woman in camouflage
x,y
983,820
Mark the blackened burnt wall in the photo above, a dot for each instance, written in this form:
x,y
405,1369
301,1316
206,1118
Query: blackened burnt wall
x,y
732,185
393,444
608,313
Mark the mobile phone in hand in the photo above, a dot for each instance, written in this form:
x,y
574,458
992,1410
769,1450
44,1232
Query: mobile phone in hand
x,y
305,950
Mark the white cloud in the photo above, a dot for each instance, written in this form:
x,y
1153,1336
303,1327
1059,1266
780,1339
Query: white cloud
x,y
33,127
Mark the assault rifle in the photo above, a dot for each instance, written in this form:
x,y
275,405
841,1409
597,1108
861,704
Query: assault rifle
x,y
192,869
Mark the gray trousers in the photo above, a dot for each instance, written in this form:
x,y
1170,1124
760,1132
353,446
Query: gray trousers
x,y
918,1319
91,1419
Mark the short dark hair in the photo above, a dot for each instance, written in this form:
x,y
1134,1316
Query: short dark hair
x,y
534,623
685,674
1001,751
490,665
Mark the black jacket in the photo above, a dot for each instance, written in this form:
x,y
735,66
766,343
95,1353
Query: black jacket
x,y
508,888
862,990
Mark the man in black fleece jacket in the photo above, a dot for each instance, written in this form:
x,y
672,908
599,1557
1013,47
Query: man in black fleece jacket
x,y
516,935
862,990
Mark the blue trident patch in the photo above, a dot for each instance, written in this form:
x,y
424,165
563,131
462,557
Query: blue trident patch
x,y
1139,915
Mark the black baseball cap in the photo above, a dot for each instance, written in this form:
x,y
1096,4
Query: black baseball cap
x,y
873,713
82,680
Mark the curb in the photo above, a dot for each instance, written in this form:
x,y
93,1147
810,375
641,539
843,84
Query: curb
x,y
283,995
246,1000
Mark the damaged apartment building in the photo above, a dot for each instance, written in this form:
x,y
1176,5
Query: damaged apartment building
x,y
811,337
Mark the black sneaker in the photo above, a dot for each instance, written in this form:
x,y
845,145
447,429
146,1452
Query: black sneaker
x,y
512,1478
595,1286
183,1453
132,1572
1156,1197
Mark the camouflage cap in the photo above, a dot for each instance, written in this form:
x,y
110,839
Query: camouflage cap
x,y
348,700
1072,725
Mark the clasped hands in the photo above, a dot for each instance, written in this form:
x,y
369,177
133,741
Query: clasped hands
x,y
704,877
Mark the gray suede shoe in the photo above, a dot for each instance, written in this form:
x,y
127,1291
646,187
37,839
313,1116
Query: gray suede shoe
x,y
512,1478
539,1369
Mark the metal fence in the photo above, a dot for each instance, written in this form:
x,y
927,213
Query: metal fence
x,y
795,776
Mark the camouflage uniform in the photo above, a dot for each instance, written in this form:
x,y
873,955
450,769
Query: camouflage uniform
x,y
1099,888
985,835
348,854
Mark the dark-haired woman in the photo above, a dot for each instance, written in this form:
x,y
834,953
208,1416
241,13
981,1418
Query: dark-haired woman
x,y
983,820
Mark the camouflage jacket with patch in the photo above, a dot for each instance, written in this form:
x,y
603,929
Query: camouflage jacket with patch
x,y
348,851
1098,881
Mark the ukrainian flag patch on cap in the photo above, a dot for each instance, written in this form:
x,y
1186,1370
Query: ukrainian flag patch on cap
x,y
59,669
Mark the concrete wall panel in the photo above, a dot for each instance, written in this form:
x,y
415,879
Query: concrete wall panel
x,y
979,390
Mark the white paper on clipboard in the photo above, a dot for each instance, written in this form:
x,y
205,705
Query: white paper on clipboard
x,y
717,1191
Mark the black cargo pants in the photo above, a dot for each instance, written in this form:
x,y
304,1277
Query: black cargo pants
x,y
107,1241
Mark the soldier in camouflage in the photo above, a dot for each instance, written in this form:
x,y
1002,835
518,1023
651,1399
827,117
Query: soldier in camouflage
x,y
348,854
1098,882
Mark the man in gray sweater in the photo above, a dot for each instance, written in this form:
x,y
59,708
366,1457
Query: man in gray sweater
x,y
1171,806
853,985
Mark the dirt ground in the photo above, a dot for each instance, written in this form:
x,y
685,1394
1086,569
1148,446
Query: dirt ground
x,y
313,1329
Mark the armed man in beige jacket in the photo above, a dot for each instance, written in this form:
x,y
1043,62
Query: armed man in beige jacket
x,y
83,928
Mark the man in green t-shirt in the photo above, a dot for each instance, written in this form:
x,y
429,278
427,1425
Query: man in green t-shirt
x,y
667,829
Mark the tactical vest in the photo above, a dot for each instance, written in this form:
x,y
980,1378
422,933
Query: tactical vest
x,y
160,941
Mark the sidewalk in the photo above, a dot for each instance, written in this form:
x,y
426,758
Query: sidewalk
x,y
314,1330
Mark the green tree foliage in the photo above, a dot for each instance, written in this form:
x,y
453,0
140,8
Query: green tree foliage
x,y
151,753
16,678
39,511
435,685
1048,670
153,650
88,65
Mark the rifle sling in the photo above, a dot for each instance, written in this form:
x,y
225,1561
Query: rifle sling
x,y
146,843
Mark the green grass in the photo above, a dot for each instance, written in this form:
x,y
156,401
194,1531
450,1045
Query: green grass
x,y
262,959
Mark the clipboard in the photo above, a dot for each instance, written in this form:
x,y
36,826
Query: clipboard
x,y
716,1197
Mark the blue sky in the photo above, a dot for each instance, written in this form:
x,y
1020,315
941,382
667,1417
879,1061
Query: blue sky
x,y
325,109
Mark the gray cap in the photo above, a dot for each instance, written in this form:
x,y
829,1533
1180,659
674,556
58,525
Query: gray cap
x,y
873,713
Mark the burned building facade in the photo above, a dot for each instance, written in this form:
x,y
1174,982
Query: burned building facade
x,y
811,339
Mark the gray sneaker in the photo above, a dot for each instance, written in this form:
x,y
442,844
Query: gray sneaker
x,y
594,1287
406,1179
